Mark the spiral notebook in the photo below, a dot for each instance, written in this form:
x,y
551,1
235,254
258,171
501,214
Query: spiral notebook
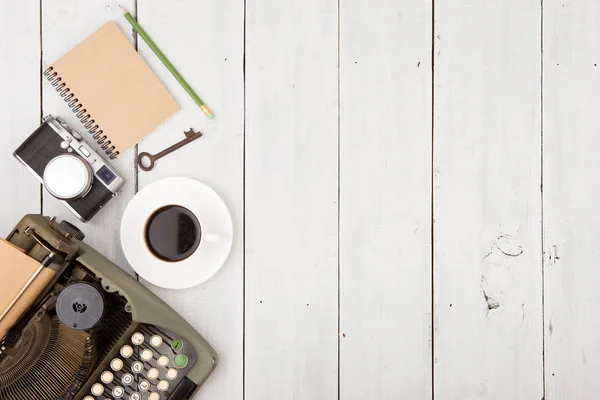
x,y
111,90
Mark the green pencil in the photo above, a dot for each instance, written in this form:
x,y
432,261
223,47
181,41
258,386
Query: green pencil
x,y
167,64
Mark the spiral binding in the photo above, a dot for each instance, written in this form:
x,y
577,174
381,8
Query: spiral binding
x,y
80,112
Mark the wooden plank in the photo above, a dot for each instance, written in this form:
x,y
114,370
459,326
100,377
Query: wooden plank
x,y
291,200
205,41
385,200
487,201
65,23
571,221
19,107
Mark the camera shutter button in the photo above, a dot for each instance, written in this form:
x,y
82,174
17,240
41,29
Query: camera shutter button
x,y
68,177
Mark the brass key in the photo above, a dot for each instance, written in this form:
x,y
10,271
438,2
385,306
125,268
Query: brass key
x,y
190,136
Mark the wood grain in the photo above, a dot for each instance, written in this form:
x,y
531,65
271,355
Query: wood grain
x,y
291,200
487,201
336,107
65,23
19,107
205,42
571,223
385,200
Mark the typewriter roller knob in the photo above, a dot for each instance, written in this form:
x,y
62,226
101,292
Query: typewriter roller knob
x,y
72,230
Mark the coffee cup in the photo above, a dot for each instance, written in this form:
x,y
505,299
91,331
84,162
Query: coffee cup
x,y
173,233
176,222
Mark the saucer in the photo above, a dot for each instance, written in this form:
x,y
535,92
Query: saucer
x,y
211,212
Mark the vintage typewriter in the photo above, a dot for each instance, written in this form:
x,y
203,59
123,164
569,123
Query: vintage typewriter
x,y
94,332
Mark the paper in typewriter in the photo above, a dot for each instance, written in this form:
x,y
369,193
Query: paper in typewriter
x,y
115,87
16,268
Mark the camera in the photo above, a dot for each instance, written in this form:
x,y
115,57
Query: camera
x,y
68,168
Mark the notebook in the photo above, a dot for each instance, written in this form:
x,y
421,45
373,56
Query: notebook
x,y
111,90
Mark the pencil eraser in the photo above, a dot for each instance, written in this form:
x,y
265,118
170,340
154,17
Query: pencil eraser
x,y
211,115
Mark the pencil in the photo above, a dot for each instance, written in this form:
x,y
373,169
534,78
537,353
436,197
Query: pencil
x,y
167,64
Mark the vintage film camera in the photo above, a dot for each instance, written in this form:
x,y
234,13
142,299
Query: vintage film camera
x,y
69,169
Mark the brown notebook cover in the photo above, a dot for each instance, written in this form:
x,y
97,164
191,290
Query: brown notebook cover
x,y
113,87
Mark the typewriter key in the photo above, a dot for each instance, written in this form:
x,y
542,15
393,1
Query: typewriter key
x,y
172,374
153,373
127,379
163,385
118,392
137,338
181,360
97,389
137,367
156,341
135,396
163,361
177,344
116,364
144,385
106,377
146,354
126,351
88,398
154,396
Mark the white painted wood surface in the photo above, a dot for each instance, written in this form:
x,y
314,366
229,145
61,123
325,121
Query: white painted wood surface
x,y
487,201
291,285
330,148
571,221
385,200
19,108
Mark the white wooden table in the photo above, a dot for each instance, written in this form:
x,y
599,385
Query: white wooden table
x,y
413,186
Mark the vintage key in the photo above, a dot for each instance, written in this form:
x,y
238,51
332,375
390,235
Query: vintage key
x,y
190,136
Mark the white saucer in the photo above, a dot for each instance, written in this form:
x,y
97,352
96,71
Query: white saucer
x,y
215,221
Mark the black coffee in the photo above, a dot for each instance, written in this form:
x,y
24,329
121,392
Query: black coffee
x,y
173,233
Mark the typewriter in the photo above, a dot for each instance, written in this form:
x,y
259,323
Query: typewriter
x,y
93,332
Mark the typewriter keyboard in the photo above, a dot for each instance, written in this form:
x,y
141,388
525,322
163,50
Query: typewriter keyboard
x,y
148,367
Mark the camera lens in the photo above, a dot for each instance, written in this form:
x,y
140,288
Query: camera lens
x,y
106,175
68,177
